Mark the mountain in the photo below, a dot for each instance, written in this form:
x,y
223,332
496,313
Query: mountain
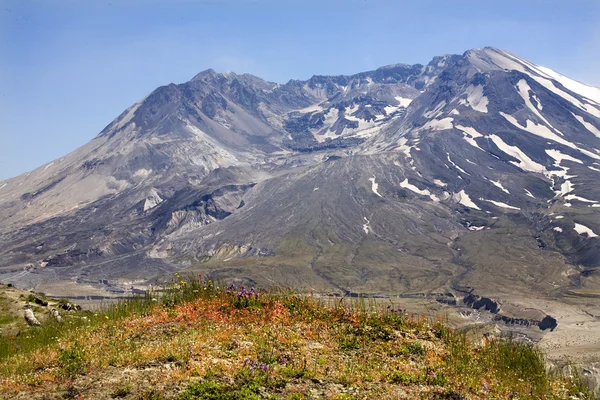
x,y
475,173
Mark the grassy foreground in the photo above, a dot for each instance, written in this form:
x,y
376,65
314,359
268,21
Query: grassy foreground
x,y
199,341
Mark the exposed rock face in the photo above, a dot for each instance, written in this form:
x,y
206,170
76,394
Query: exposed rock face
x,y
475,170
478,302
495,307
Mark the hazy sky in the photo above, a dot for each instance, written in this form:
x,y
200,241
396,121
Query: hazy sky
x,y
67,68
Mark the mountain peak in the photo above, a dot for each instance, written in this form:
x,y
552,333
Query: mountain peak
x,y
205,75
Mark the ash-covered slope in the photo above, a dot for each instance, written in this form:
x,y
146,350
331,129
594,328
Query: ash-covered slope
x,y
474,171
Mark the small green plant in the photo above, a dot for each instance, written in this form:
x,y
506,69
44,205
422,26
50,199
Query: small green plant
x,y
349,342
211,390
415,348
343,396
121,391
435,378
150,395
72,360
403,378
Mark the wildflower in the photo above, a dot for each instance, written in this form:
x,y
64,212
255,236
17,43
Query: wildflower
x,y
283,361
264,367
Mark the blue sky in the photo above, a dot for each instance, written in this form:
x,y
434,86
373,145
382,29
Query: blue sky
x,y
67,68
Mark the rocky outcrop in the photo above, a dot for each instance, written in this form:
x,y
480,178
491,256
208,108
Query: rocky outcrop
x,y
509,316
478,302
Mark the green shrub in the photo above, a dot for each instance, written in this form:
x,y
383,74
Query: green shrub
x,y
415,348
150,395
72,360
349,342
403,378
121,391
217,391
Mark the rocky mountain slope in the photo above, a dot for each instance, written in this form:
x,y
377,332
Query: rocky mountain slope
x,y
475,172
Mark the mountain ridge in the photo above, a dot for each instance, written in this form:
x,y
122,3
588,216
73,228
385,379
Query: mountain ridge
x,y
229,168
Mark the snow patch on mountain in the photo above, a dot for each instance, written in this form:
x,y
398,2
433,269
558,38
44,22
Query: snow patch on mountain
x,y
524,162
404,102
375,186
456,166
548,84
544,132
558,156
142,173
582,199
439,124
590,92
544,76
470,134
587,125
437,110
500,204
499,185
524,91
423,192
463,198
366,226
152,201
475,99
565,188
476,228
582,229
